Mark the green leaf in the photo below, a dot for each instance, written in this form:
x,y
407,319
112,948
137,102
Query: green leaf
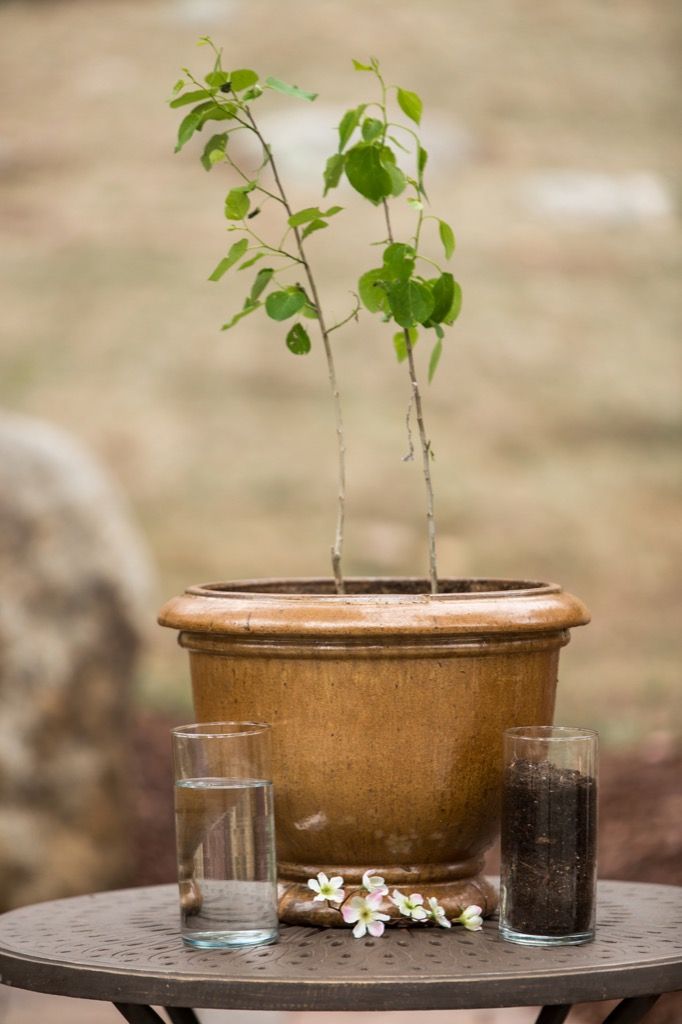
x,y
309,312
282,304
311,213
372,290
400,343
410,104
249,307
289,90
234,255
298,340
348,124
189,125
217,78
398,143
253,93
371,129
179,86
447,237
435,358
443,291
456,306
214,150
261,281
398,261
416,204
196,119
398,179
333,171
362,67
249,263
410,302
315,225
366,172
190,97
237,203
242,79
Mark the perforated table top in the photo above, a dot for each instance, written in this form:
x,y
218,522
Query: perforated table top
x,y
125,947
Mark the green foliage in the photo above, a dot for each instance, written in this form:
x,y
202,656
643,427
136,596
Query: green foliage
x,y
312,213
234,255
298,340
289,90
333,171
237,202
262,280
447,237
410,104
411,302
372,289
280,305
369,145
214,150
367,173
400,339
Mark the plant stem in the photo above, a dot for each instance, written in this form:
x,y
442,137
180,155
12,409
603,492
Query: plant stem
x,y
425,443
337,548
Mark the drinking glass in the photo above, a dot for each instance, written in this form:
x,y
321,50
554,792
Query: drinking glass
x,y
549,836
224,825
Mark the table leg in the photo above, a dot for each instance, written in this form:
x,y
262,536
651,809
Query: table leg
x,y
182,1015
632,1010
554,1014
135,1014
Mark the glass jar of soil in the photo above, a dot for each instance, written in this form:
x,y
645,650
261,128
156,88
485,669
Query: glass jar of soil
x,y
549,836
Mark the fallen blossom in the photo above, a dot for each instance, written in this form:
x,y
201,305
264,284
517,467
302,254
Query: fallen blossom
x,y
471,918
437,913
409,906
374,883
365,914
327,888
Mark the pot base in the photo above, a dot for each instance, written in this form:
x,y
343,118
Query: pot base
x,y
297,906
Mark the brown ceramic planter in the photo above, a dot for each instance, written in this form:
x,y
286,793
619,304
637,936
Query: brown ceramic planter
x,y
388,708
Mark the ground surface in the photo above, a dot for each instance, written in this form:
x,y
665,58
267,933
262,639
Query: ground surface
x,y
555,413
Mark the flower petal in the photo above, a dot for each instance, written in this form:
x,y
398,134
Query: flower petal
x,y
416,897
350,914
336,882
376,928
313,884
359,929
322,879
375,898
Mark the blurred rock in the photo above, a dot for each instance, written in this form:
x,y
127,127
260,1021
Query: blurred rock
x,y
576,196
72,575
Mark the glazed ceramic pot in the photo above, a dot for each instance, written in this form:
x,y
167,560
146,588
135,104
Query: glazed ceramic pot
x,y
388,706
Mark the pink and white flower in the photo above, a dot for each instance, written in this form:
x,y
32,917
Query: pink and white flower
x,y
409,906
437,913
364,913
471,918
329,889
374,883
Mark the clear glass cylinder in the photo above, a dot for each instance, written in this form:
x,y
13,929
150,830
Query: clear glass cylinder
x,y
225,834
549,835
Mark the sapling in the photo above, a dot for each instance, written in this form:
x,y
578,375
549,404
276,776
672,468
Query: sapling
x,y
397,290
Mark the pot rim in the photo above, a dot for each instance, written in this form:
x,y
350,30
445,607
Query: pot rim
x,y
407,588
291,608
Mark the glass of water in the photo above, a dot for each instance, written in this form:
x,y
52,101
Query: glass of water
x,y
224,825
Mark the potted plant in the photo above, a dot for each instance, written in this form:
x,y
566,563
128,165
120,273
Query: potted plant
x,y
388,696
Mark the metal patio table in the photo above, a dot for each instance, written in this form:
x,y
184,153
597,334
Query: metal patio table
x,y
125,947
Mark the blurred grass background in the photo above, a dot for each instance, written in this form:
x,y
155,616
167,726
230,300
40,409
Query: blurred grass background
x,y
555,412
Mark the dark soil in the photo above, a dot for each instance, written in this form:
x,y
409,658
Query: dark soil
x,y
549,817
640,830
